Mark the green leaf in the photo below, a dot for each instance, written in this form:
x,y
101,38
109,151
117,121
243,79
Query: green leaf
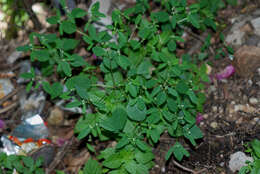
x,y
142,145
98,51
123,61
135,113
41,55
92,167
131,167
68,27
173,22
194,20
28,161
132,89
256,147
122,39
53,20
160,98
171,45
168,116
135,44
91,148
182,87
78,61
116,122
179,151
27,75
83,133
67,44
78,13
169,153
113,162
29,86
196,132
73,104
66,68
144,158
123,142
160,16
24,48
193,97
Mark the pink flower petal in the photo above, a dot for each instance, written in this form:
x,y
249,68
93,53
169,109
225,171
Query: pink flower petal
x,y
199,118
227,72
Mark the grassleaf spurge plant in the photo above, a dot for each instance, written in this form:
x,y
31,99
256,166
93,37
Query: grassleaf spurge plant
x,y
139,91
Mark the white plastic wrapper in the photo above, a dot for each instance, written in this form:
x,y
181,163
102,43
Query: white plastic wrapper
x,y
32,127
8,146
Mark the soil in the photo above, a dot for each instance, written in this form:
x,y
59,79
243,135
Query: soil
x,y
230,118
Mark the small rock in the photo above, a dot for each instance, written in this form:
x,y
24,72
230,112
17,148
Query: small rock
x,y
250,82
238,108
237,160
222,164
47,153
239,121
214,108
205,116
253,101
212,88
256,24
56,117
247,60
214,125
258,71
256,119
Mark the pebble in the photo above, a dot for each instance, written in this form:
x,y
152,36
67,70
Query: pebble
x,y
238,108
214,125
256,119
214,108
250,82
212,88
239,121
205,116
56,117
253,100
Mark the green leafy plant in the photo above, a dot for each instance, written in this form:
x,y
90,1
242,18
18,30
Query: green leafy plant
x,y
22,164
145,89
252,167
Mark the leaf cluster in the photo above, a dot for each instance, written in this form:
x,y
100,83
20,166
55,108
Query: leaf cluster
x,y
22,164
146,90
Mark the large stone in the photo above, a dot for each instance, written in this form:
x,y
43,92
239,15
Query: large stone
x,y
247,60
238,160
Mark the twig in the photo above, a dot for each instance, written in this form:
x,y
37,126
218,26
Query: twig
x,y
187,169
60,155
198,38
28,8
7,108
9,95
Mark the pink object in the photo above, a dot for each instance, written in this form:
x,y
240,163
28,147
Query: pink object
x,y
199,118
2,124
60,141
94,56
227,72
